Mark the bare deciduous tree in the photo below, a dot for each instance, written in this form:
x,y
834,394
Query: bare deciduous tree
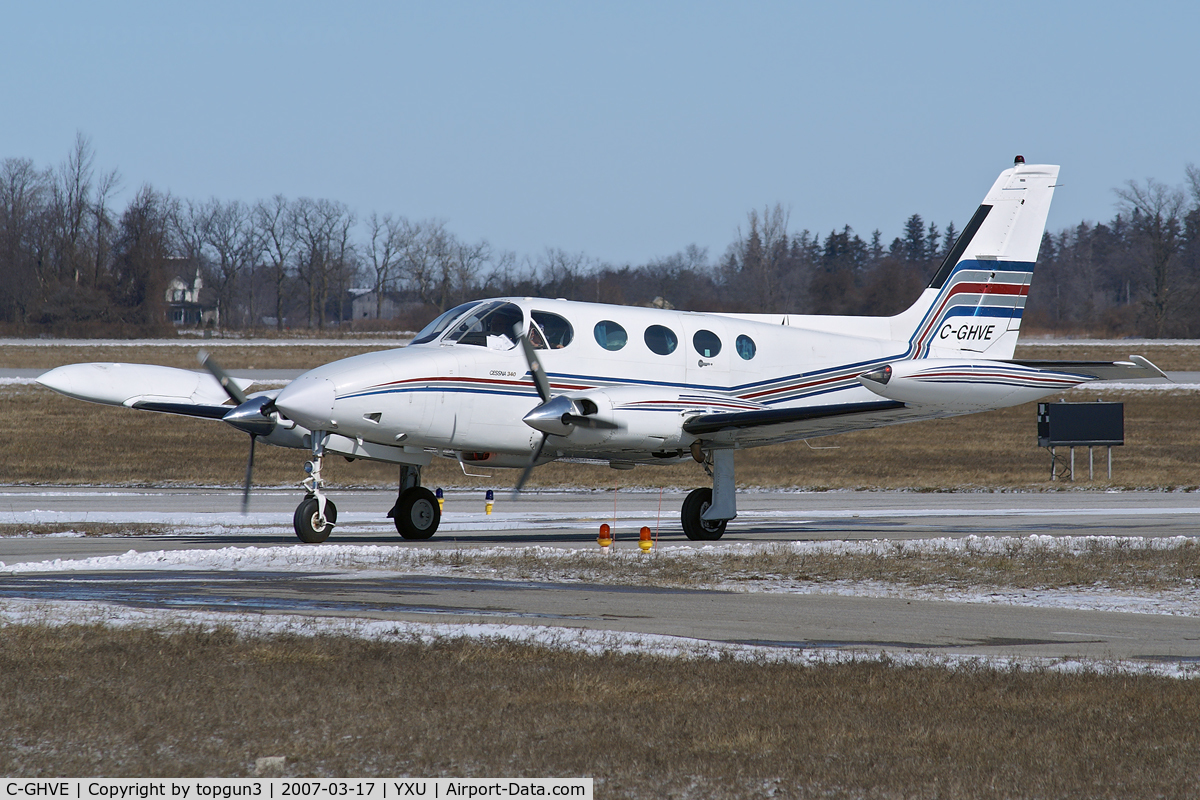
x,y
1156,213
388,238
755,264
140,253
274,224
72,201
108,184
324,256
235,250
23,191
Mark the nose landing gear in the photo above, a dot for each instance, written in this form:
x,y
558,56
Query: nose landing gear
x,y
316,515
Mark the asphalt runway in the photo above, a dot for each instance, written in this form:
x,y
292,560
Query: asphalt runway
x,y
208,519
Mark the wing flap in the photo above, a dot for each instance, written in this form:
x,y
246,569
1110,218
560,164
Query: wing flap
x,y
790,424
184,409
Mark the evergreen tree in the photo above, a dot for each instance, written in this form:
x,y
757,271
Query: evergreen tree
x,y
914,239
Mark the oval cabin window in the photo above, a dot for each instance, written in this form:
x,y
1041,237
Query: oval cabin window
x,y
661,340
610,335
707,343
745,347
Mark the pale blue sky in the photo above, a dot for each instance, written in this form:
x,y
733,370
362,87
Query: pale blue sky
x,y
622,130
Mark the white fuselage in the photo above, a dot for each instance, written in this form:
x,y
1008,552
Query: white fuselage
x,y
468,398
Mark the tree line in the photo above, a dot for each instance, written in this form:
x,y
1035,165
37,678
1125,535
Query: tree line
x,y
73,264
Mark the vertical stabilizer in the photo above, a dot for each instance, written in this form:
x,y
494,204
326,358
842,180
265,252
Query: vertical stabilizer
x,y
975,301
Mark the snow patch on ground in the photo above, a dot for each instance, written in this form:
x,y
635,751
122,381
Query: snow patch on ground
x,y
577,640
339,560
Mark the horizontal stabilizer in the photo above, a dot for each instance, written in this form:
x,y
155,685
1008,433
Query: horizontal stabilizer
x,y
1136,368
964,386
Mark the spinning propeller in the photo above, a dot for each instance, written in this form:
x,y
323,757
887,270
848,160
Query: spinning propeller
x,y
556,415
252,415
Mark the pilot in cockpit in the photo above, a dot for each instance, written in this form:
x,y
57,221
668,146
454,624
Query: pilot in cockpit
x,y
499,332
535,337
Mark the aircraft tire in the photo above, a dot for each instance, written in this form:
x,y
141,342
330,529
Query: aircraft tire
x,y
417,514
695,528
305,521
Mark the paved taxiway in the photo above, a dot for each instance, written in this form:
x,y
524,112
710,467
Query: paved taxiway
x,y
206,519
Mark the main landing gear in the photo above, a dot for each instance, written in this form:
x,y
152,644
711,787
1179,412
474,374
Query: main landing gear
x,y
416,513
706,511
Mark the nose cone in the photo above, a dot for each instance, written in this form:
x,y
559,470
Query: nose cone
x,y
548,417
249,417
308,400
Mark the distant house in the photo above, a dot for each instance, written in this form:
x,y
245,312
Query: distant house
x,y
364,304
190,304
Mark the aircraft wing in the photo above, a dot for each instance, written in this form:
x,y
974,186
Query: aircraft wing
x,y
143,386
747,428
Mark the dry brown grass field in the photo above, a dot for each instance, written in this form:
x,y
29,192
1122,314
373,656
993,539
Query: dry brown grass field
x,y
84,701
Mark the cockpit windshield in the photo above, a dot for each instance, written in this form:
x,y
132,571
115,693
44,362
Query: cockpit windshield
x,y
442,321
490,325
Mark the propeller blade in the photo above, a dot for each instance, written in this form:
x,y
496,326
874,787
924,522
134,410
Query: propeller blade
x,y
537,452
227,383
535,366
249,475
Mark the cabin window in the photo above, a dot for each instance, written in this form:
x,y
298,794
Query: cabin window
x,y
489,325
661,340
441,322
610,335
745,347
556,332
707,343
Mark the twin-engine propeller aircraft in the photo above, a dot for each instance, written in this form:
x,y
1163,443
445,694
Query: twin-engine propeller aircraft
x,y
518,382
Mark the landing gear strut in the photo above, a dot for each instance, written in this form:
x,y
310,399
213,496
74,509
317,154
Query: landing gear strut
x,y
316,515
416,513
707,511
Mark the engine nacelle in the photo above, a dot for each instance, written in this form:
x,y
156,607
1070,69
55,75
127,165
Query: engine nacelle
x,y
646,418
961,385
